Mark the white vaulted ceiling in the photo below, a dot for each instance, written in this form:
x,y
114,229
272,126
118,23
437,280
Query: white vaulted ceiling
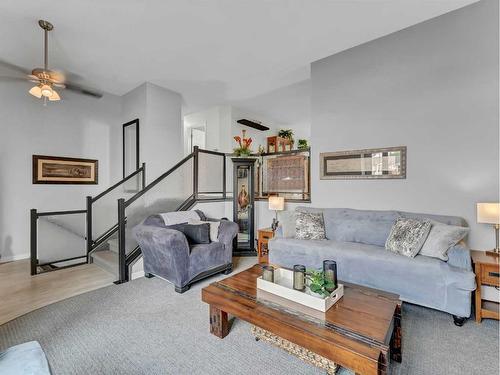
x,y
210,51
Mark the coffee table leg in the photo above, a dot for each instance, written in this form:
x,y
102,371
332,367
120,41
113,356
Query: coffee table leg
x,y
397,337
219,325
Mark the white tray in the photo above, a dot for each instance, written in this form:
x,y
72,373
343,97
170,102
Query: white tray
x,y
283,287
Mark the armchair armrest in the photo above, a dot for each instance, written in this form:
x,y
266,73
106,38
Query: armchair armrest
x,y
166,252
459,256
227,231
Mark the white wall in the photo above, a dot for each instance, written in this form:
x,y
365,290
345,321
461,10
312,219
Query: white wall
x,y
77,126
432,87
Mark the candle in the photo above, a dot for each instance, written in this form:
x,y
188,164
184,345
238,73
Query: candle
x,y
268,273
299,277
330,273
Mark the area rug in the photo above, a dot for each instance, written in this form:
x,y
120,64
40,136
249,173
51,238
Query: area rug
x,y
144,327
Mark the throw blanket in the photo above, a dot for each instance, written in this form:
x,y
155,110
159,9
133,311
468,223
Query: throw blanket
x,y
178,217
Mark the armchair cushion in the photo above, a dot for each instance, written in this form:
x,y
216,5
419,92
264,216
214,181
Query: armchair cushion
x,y
198,233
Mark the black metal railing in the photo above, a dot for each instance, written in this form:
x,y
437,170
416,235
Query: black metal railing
x,y
127,255
90,244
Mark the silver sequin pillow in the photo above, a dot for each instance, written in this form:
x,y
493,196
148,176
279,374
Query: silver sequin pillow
x,y
309,226
408,236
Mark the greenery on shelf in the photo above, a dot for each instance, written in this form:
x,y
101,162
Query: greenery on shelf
x,y
286,133
318,284
302,144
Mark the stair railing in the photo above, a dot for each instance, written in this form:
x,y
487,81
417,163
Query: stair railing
x,y
87,228
206,176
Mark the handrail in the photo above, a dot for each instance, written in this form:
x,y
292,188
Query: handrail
x,y
157,180
56,213
99,196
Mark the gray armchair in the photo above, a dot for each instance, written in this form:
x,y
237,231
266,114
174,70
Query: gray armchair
x,y
168,255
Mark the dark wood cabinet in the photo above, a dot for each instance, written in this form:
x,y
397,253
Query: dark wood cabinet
x,y
243,206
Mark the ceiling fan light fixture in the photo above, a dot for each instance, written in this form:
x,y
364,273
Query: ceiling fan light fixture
x,y
46,91
55,96
36,91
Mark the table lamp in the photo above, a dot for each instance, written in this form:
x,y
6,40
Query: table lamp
x,y
277,204
489,213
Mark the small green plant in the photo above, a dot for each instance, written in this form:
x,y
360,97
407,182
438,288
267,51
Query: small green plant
x,y
286,133
302,144
318,284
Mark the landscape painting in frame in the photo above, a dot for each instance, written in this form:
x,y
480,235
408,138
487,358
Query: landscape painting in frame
x,y
377,163
64,170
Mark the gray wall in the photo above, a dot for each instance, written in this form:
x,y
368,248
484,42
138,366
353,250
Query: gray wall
x,y
432,87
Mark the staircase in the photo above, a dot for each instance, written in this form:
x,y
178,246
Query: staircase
x,y
102,233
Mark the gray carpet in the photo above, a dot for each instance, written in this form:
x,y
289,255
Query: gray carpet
x,y
144,327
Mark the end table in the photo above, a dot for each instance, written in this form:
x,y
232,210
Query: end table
x,y
262,250
487,270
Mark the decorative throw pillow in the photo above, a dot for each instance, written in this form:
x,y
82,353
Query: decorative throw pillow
x,y
309,226
195,233
214,228
407,236
441,238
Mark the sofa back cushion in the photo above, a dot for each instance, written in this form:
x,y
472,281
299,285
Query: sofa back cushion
x,y
350,225
449,220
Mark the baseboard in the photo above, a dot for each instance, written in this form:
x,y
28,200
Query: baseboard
x,y
14,257
137,274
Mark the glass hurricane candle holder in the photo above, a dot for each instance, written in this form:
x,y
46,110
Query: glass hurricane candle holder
x,y
268,273
330,273
299,277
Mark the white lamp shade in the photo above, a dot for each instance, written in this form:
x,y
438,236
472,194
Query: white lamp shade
x,y
488,213
276,203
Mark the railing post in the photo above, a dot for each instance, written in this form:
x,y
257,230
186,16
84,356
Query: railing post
x,y
122,264
33,240
143,175
224,193
195,171
89,226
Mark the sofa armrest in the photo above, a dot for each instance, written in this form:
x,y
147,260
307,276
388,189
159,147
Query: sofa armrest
x,y
459,256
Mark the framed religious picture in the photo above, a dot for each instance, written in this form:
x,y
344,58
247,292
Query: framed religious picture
x,y
64,170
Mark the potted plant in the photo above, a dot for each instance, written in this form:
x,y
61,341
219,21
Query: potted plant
x,y
302,144
287,134
317,283
244,145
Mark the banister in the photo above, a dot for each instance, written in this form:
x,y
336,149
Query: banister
x,y
157,180
56,213
112,187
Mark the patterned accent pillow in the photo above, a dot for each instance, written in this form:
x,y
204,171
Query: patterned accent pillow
x,y
408,236
309,226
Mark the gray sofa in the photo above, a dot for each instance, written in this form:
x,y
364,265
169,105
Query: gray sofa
x,y
356,239
168,254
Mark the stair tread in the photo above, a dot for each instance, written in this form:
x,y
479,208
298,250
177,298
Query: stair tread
x,y
106,259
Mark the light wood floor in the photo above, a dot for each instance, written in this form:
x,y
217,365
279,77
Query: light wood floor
x,y
21,293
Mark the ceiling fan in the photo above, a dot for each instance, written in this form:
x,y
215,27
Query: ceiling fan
x,y
48,80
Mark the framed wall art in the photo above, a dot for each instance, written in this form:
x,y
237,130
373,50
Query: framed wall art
x,y
376,163
64,170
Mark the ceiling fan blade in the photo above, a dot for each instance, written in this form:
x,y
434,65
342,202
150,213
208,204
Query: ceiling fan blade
x,y
83,90
9,79
17,68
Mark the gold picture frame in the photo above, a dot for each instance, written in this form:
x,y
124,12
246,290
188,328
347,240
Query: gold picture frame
x,y
64,170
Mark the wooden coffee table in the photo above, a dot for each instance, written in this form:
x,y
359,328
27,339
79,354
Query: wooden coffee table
x,y
361,332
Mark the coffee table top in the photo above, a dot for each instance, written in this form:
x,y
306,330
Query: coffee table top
x,y
362,314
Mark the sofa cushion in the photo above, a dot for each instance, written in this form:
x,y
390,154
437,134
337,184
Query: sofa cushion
x,y
407,236
441,238
309,226
444,219
350,225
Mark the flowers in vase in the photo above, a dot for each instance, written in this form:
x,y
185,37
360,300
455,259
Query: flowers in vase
x,y
244,145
